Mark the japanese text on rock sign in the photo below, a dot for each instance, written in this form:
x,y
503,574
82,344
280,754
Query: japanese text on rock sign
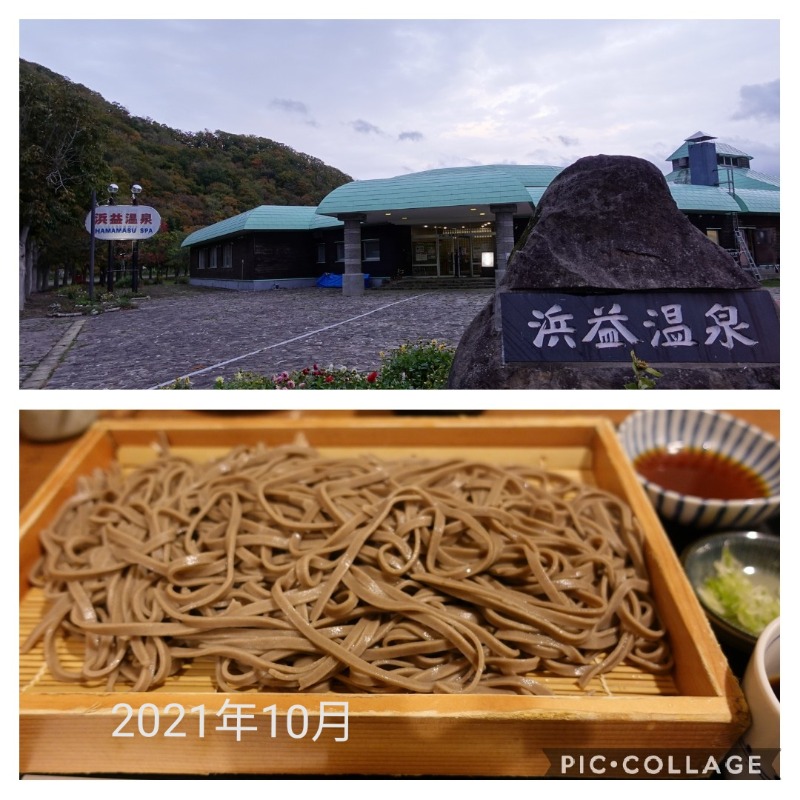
x,y
683,326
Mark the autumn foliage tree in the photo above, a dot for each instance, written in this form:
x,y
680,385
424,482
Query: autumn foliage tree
x,y
73,141
60,160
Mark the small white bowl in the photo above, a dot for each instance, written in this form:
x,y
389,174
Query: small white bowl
x,y
645,431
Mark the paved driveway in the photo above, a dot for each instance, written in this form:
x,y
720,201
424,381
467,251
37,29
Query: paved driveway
x,y
206,333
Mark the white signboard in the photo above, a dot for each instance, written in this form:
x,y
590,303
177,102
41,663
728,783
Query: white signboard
x,y
124,222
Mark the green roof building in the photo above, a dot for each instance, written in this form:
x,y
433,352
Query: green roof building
x,y
461,224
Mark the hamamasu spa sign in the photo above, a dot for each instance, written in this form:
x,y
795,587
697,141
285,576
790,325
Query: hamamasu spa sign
x,y
672,327
124,222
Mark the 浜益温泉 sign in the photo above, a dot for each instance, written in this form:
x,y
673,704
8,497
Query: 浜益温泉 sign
x,y
124,222
710,326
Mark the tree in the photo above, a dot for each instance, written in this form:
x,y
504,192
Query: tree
x,y
60,161
163,253
72,141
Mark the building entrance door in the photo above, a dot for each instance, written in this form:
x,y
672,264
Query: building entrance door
x,y
451,251
454,256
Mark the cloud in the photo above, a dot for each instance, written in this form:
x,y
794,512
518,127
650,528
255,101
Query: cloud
x,y
362,126
463,91
292,106
760,101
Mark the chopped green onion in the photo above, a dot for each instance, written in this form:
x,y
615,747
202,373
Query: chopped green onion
x,y
735,597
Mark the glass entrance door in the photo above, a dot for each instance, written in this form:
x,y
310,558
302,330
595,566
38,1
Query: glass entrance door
x,y
454,256
451,250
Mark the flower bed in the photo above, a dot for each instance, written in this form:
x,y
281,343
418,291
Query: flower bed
x,y
412,365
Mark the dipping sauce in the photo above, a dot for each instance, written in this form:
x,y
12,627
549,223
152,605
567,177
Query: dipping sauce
x,y
701,473
775,683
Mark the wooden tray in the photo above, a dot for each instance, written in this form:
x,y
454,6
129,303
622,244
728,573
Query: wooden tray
x,y
70,729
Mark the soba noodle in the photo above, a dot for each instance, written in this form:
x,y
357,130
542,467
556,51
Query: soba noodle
x,y
299,572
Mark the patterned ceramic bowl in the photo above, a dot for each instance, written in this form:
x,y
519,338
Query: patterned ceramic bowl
x,y
704,469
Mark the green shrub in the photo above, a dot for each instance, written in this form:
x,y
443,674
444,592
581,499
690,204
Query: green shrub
x,y
76,298
245,380
74,292
179,383
418,365
308,378
413,365
324,378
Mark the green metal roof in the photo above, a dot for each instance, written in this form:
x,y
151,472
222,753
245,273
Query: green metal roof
x,y
536,193
742,178
438,188
264,218
466,186
722,149
533,175
758,201
719,199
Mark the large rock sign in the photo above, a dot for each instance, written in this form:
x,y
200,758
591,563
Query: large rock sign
x,y
607,225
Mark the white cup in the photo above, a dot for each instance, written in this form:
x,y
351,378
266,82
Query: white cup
x,y
763,670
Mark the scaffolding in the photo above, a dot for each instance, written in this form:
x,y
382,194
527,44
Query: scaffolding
x,y
742,252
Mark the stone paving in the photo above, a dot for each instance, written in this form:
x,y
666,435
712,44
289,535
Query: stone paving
x,y
207,333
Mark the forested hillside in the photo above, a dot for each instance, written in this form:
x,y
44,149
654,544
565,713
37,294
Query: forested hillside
x,y
73,141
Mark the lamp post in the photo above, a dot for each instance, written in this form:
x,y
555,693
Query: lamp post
x,y
117,223
136,190
112,190
91,246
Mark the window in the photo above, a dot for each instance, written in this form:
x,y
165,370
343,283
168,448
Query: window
x,y
371,250
213,261
733,161
227,256
321,253
202,258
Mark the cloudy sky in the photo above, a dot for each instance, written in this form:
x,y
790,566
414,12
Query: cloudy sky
x,y
378,98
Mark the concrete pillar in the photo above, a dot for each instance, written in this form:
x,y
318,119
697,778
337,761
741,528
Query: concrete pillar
x,y
503,244
353,278
503,236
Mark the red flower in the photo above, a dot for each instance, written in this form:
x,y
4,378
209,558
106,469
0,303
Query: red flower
x,y
329,379
372,377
